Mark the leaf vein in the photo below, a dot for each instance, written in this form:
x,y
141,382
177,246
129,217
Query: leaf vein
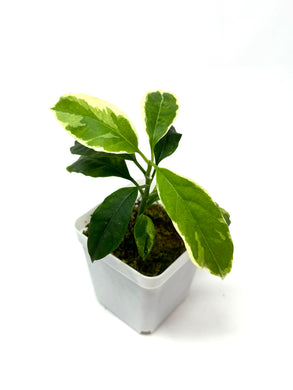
x,y
101,238
159,112
195,218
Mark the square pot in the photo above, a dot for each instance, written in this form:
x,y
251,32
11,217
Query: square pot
x,y
142,302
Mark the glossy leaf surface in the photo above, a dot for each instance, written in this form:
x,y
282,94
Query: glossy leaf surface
x,y
167,145
109,222
160,110
100,167
198,220
96,124
82,150
144,234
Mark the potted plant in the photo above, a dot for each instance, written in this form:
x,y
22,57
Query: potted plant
x,y
139,241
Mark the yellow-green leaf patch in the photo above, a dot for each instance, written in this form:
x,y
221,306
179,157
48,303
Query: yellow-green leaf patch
x,y
96,124
198,220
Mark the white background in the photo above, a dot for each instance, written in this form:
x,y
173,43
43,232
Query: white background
x,y
230,64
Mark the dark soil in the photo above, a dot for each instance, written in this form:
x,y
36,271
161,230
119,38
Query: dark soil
x,y
167,248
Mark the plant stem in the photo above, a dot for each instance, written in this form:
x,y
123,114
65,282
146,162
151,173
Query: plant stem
x,y
148,182
139,166
149,162
137,185
145,195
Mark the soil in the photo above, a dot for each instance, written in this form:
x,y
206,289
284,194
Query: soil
x,y
167,248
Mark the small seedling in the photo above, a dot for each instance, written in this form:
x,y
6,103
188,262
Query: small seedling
x,y
106,142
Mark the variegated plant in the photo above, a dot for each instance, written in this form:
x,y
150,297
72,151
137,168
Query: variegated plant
x,y
105,141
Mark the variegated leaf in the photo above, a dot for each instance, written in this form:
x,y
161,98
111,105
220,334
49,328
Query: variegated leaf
x,y
96,124
198,220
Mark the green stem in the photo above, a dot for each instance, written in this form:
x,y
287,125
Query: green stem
x,y
139,166
149,162
137,185
143,156
148,182
145,196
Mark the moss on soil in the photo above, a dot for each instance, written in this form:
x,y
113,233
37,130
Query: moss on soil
x,y
167,248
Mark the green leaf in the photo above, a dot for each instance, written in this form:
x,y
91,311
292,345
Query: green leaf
x,y
96,124
100,167
167,145
198,220
109,222
144,234
160,110
88,152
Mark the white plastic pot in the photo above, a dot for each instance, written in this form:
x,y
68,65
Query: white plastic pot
x,y
142,302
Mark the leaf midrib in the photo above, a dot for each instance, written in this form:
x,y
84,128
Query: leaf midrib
x,y
104,162
95,118
159,112
111,128
202,234
110,221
